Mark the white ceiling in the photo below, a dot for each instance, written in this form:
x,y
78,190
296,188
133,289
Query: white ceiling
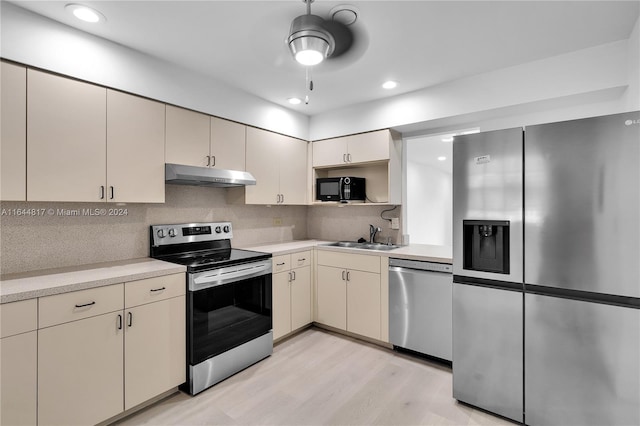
x,y
417,43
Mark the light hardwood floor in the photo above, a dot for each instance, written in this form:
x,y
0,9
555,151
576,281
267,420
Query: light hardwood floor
x,y
321,378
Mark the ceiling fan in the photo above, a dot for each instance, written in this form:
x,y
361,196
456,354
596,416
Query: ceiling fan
x,y
312,38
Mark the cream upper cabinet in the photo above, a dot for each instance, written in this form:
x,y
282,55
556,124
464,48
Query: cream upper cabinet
x,y
349,292
87,143
66,134
197,139
279,164
18,363
228,140
360,148
188,134
135,149
13,133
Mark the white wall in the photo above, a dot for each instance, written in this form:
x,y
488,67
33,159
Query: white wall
x,y
595,81
429,205
33,40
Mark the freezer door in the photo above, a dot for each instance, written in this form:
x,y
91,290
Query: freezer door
x,y
487,349
582,205
581,363
487,186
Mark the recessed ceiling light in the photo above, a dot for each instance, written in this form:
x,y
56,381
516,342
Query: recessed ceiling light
x,y
85,13
294,101
389,84
442,158
447,139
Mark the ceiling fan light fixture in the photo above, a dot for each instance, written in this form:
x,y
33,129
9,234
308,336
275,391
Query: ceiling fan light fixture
x,y
308,41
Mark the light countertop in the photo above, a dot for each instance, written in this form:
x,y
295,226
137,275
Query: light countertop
x,y
29,285
424,252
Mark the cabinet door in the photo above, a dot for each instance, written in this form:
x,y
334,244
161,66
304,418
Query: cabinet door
x,y
301,297
80,368
329,152
155,349
135,149
263,162
13,136
372,146
188,134
18,379
66,133
332,297
293,170
363,303
281,304
228,144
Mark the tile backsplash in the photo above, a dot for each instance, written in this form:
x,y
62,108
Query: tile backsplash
x,y
63,234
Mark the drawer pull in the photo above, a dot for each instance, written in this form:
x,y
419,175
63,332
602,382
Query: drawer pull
x,y
86,304
302,260
280,264
158,289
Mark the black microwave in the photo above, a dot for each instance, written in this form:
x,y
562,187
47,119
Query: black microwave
x,y
344,189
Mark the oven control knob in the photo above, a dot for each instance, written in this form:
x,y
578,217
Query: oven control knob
x,y
161,233
218,230
172,232
226,229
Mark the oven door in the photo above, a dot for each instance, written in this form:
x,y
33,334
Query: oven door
x,y
226,308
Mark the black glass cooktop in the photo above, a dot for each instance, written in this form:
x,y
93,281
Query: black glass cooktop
x,y
209,259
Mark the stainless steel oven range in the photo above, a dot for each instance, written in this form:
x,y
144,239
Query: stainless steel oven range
x,y
229,318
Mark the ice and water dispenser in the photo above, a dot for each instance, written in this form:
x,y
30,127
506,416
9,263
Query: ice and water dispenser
x,y
486,246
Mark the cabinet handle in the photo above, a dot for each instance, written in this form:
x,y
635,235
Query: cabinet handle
x,y
348,158
130,315
213,164
102,192
279,264
86,304
289,274
208,160
348,275
302,259
282,198
343,278
158,289
112,192
344,158
119,322
294,275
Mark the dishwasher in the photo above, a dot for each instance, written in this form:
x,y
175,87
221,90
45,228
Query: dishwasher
x,y
420,305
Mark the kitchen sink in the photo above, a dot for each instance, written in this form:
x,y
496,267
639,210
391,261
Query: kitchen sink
x,y
365,246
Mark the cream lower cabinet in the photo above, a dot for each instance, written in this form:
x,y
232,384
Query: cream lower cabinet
x,y
349,292
105,350
18,363
291,292
154,340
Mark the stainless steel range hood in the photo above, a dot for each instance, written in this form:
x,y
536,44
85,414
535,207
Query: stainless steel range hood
x,y
179,174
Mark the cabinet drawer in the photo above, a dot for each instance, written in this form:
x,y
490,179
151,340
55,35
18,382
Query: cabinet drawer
x,y
18,317
281,263
81,304
153,289
302,259
360,262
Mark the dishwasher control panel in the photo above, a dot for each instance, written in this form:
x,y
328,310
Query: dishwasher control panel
x,y
421,265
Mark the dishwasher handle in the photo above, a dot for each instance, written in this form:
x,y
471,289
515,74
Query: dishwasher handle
x,y
397,264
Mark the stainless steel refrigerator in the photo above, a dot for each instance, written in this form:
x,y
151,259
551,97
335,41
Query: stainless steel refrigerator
x,y
576,303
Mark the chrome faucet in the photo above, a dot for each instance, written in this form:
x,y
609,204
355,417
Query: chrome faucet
x,y
373,230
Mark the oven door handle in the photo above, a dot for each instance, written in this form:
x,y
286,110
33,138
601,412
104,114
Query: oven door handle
x,y
224,276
